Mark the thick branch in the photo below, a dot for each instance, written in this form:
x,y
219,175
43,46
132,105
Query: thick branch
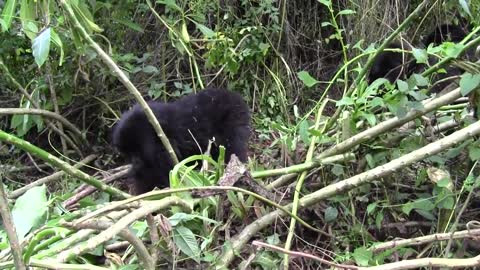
x,y
64,166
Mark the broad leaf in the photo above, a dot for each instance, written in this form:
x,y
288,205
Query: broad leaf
x,y
58,42
362,256
29,210
308,80
303,131
186,242
41,47
331,214
346,12
207,32
420,55
469,82
7,14
464,5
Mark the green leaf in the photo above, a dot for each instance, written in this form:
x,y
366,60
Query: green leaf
x,y
338,170
464,5
150,70
331,214
474,153
418,95
346,101
303,131
371,207
273,239
84,16
207,32
171,4
407,208
27,17
3,26
186,242
41,47
327,3
58,42
426,214
420,80
402,86
185,35
370,118
132,25
447,203
362,256
29,210
379,219
423,204
370,160
346,12
308,80
453,49
377,102
176,218
420,55
323,24
469,82
7,14
444,182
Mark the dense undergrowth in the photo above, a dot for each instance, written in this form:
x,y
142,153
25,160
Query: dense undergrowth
x,y
349,167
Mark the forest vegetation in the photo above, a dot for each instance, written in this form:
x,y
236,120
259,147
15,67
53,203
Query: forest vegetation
x,y
343,171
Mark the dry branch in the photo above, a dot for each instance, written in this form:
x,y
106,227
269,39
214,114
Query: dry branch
x,y
45,113
18,192
425,239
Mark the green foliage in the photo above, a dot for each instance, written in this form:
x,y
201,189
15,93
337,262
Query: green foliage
x,y
362,256
286,61
41,47
469,82
30,209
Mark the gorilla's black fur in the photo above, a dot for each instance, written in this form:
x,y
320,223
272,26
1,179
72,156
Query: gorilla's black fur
x,y
389,65
395,65
445,32
189,124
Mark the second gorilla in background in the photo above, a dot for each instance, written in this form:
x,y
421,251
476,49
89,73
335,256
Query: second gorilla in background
x,y
189,124
396,65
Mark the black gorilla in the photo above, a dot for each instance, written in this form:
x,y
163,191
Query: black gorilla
x,y
389,65
397,65
445,32
189,124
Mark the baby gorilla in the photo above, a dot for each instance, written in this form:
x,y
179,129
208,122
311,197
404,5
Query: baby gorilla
x,y
189,124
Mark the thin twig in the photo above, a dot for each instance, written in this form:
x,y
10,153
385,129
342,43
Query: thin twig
x,y
45,113
425,240
18,192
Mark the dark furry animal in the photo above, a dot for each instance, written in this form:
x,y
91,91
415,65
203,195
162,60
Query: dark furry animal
x,y
445,32
189,123
390,65
395,65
